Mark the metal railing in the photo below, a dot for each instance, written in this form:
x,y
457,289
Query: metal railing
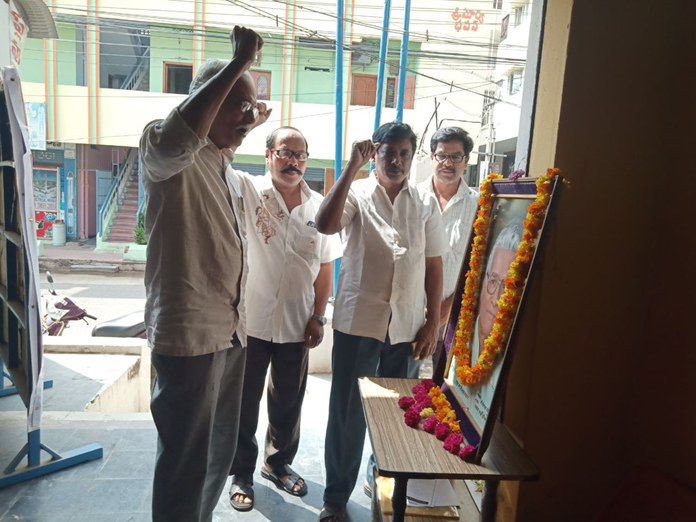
x,y
116,192
141,68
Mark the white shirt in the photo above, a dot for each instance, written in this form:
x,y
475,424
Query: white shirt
x,y
194,256
284,252
458,220
382,281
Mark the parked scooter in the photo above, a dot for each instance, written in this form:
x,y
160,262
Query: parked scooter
x,y
60,310
129,325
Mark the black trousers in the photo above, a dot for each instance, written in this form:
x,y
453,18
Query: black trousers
x,y
195,405
354,357
286,390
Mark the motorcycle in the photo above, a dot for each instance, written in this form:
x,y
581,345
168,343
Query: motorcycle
x,y
61,310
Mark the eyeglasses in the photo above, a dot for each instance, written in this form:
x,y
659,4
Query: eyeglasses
x,y
287,154
495,285
454,158
248,108
387,152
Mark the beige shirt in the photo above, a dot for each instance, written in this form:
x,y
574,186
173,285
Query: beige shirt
x,y
284,253
458,221
381,288
194,257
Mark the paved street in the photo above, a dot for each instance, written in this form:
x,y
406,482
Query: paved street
x,y
105,296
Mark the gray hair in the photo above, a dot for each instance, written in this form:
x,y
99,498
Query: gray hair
x,y
207,70
509,239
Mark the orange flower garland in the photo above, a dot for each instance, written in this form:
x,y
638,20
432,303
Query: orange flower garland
x,y
443,409
514,284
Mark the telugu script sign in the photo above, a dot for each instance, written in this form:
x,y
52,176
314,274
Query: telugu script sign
x,y
467,20
18,34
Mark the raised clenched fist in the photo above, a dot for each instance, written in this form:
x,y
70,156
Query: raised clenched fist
x,y
245,44
362,152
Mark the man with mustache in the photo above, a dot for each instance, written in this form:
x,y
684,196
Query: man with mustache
x,y
286,290
450,148
192,278
492,287
391,268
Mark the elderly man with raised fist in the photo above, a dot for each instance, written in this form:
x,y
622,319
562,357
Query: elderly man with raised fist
x,y
192,278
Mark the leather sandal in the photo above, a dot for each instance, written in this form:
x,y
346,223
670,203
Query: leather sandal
x,y
239,487
289,483
330,513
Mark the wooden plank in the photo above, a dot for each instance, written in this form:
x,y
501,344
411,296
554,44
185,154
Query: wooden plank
x,y
407,452
15,306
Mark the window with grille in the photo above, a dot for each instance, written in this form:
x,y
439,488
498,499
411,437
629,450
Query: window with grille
x,y
262,82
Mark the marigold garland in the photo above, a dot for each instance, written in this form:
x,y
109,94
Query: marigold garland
x,y
514,284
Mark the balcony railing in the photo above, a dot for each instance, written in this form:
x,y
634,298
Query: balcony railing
x,y
116,193
139,72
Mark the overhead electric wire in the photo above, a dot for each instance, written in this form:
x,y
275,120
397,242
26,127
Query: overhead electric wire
x,y
435,38
353,108
260,11
314,34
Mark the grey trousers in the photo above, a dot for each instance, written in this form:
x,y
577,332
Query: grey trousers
x,y
195,405
286,390
355,357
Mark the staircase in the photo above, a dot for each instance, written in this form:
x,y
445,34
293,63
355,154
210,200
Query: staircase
x,y
122,227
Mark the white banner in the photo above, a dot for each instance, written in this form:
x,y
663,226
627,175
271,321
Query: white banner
x,y
23,168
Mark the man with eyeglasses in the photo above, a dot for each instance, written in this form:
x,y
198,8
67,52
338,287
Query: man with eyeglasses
x,y
391,269
286,289
499,260
192,279
450,148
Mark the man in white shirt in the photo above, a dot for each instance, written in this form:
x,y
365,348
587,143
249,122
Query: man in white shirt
x,y
287,287
192,278
450,148
391,268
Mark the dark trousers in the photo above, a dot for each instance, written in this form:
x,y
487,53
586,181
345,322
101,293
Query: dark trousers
x,y
195,406
355,357
286,390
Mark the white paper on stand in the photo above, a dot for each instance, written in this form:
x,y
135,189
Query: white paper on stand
x,y
430,493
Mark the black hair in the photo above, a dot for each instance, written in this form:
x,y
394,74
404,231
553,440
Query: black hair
x,y
446,134
394,130
270,140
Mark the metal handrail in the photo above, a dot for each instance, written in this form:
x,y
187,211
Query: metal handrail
x,y
134,78
114,193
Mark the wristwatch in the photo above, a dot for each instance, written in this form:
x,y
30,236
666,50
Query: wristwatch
x,y
319,318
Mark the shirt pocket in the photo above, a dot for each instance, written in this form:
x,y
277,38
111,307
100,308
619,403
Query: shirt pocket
x,y
416,235
307,242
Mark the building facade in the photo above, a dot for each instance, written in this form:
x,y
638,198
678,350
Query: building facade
x,y
120,64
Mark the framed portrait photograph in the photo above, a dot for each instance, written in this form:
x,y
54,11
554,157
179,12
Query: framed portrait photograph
x,y
477,403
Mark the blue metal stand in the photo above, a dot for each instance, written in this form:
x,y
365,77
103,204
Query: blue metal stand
x,y
12,390
35,468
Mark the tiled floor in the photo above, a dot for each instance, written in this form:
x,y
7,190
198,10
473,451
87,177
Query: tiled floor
x,y
117,488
